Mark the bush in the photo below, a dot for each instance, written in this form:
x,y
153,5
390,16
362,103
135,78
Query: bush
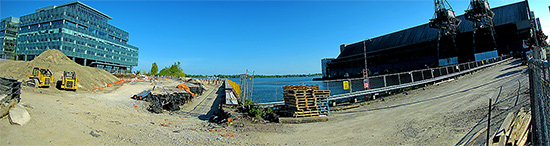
x,y
254,110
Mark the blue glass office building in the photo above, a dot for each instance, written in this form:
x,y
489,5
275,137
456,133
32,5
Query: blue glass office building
x,y
80,32
8,37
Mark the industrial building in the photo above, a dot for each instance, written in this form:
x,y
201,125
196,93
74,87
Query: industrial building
x,y
76,29
416,47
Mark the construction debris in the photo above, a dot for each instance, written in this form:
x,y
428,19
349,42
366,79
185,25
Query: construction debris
x,y
168,98
514,130
221,116
164,101
142,95
95,133
185,88
306,100
19,115
10,94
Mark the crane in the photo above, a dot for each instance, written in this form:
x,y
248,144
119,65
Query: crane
x,y
481,15
445,21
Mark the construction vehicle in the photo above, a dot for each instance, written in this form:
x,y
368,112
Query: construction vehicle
x,y
69,80
40,77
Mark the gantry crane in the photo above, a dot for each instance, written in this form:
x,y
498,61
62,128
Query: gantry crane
x,y
481,15
445,21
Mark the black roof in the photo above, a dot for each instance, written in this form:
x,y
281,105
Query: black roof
x,y
503,15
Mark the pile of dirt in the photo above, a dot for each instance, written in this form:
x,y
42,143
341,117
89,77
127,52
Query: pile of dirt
x,y
57,62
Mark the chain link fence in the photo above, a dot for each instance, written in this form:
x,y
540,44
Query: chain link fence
x,y
539,84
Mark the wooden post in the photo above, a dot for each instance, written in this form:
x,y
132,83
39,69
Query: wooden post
x,y
489,123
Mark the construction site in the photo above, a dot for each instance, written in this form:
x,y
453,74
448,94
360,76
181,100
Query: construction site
x,y
477,99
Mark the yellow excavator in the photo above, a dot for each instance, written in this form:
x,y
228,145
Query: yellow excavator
x,y
69,80
40,77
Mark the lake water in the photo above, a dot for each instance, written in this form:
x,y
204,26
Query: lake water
x,y
271,89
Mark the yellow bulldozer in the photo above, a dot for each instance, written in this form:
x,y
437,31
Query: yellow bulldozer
x,y
69,80
40,77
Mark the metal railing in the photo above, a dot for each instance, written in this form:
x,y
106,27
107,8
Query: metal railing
x,y
271,88
390,82
539,86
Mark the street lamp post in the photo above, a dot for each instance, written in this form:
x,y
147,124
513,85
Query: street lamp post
x,y
365,71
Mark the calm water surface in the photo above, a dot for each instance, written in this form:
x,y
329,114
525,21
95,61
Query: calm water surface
x,y
271,89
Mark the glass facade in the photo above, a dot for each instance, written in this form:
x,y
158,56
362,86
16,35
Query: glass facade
x,y
8,34
79,31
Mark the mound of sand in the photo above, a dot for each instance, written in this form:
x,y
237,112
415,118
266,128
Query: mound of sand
x,y
57,62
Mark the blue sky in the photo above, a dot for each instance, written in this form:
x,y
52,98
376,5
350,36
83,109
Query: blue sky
x,y
269,37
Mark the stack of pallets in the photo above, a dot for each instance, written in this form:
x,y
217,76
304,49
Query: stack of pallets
x,y
322,101
302,101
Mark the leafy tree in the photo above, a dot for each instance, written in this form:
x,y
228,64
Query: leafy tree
x,y
174,70
154,69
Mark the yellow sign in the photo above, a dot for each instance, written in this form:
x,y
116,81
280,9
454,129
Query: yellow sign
x,y
346,85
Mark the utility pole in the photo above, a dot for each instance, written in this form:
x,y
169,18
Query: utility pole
x,y
366,70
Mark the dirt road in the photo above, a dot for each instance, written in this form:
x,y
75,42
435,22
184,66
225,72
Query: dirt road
x,y
107,118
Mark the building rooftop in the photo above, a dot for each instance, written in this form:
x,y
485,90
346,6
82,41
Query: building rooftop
x,y
11,19
73,3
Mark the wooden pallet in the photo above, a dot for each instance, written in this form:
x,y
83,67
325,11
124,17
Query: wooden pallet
x,y
306,100
298,101
301,87
302,107
323,113
306,113
321,96
321,91
295,91
513,130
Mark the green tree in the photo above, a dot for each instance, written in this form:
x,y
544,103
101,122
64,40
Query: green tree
x,y
174,70
154,69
